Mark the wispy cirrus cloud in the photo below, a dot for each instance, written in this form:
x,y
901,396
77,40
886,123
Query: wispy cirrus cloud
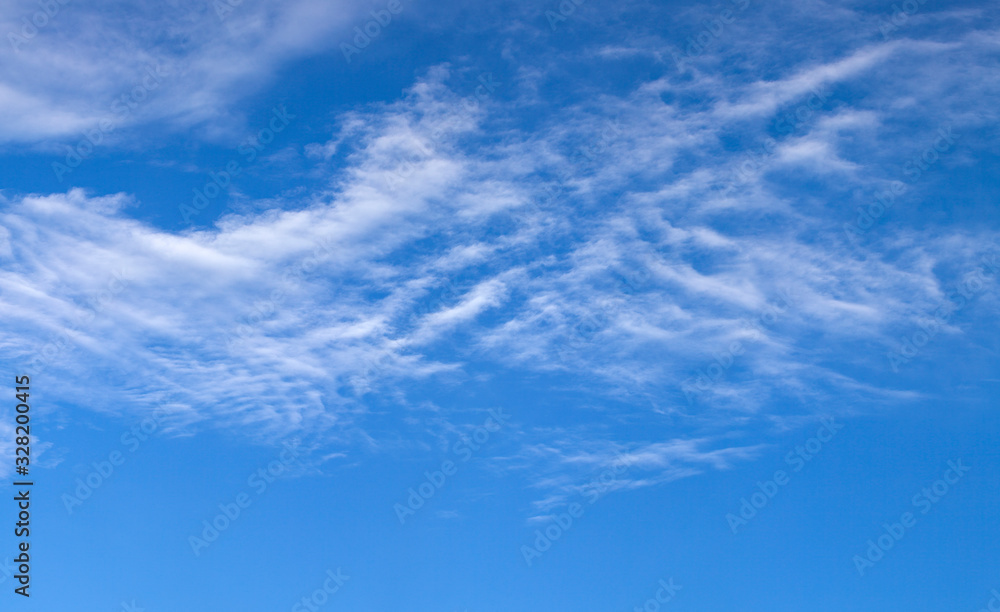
x,y
81,68
442,227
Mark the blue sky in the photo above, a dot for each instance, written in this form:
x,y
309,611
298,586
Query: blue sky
x,y
503,306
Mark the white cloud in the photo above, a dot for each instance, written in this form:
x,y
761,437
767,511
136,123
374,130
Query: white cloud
x,y
65,78
630,276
